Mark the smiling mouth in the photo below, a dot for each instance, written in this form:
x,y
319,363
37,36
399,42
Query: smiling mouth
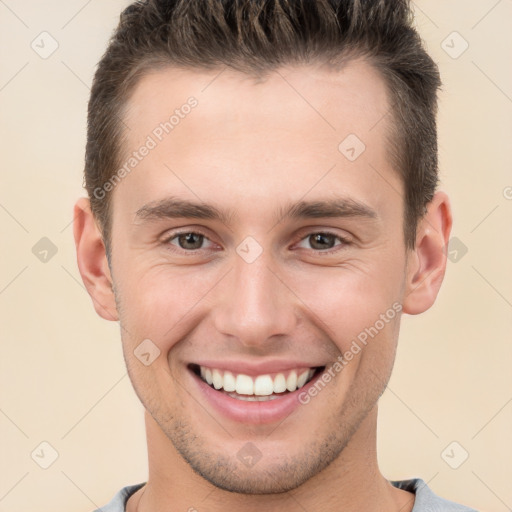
x,y
260,388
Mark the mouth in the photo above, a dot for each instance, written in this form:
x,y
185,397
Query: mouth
x,y
258,388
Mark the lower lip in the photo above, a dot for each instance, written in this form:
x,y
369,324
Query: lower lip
x,y
257,413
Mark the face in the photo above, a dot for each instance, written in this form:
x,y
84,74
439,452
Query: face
x,y
264,282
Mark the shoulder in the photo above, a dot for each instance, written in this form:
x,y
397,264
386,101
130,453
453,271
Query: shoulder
x,y
426,500
118,502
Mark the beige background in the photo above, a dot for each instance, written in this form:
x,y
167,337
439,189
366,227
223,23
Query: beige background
x,y
62,375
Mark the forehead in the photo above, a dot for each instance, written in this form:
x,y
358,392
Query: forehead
x,y
276,136
351,98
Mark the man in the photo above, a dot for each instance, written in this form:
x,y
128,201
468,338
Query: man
x,y
262,209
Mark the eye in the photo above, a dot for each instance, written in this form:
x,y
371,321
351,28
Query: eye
x,y
324,241
187,240
321,242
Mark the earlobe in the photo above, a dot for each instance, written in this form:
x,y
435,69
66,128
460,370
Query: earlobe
x,y
427,263
92,261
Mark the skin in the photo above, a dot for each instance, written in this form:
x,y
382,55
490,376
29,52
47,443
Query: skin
x,y
253,147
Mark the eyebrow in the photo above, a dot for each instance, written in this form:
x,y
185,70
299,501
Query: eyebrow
x,y
172,207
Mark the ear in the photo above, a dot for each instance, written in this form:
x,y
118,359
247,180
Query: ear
x,y
92,261
426,264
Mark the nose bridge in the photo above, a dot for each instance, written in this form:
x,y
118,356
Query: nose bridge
x,y
256,305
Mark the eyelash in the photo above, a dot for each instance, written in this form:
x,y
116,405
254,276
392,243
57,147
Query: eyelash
x,y
344,241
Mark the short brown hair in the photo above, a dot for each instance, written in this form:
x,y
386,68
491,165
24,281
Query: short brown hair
x,y
255,37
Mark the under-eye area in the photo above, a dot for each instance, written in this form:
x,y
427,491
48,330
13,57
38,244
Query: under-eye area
x,y
260,388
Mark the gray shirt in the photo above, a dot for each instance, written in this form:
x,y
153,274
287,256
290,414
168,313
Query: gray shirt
x,y
425,500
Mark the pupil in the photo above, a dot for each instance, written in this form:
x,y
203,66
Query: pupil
x,y
189,238
319,237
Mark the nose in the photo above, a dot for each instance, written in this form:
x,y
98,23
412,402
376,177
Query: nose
x,y
255,303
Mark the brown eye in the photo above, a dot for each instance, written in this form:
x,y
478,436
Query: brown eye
x,y
322,241
187,240
190,241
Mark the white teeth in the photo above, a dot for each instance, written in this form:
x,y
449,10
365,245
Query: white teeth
x,y
302,379
279,383
244,385
263,386
229,382
291,381
218,381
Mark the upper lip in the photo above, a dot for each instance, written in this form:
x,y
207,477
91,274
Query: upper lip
x,y
256,368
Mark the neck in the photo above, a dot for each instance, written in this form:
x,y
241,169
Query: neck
x,y
352,482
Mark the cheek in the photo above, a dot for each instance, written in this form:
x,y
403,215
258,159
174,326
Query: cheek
x,y
353,303
158,302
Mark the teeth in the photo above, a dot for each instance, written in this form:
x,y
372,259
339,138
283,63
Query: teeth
x,y
279,383
302,379
229,382
263,385
261,388
218,381
291,381
244,385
